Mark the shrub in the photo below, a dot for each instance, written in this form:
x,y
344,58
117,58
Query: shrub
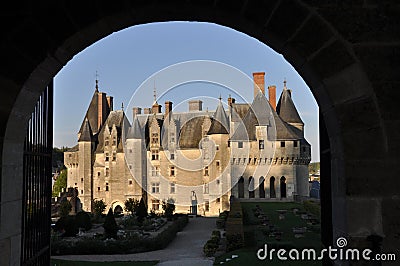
x,y
67,226
142,211
64,208
169,208
82,220
220,223
131,205
98,208
110,226
233,242
210,247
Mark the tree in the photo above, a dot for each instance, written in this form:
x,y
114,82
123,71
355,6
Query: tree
x,y
110,225
82,220
142,211
131,205
60,183
98,208
64,208
169,208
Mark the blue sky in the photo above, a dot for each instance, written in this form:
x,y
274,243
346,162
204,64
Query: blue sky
x,y
133,58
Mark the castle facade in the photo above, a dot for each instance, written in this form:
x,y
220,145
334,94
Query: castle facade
x,y
198,159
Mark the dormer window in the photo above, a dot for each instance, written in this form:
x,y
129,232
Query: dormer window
x,y
240,144
261,144
154,138
154,155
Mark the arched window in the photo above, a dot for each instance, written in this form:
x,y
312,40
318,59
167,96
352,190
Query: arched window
x,y
261,187
283,187
272,193
241,187
251,187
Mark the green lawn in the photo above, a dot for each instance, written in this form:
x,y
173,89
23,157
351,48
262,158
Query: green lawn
x,y
256,235
57,262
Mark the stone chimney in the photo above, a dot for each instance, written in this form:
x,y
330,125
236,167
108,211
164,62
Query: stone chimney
x,y
110,102
136,111
168,108
259,83
101,110
147,111
156,108
195,105
231,100
272,96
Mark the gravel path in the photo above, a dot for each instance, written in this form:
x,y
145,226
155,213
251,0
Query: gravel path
x,y
185,249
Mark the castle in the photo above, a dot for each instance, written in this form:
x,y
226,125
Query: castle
x,y
199,159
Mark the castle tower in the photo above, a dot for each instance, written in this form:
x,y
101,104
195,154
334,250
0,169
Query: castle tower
x,y
219,167
84,184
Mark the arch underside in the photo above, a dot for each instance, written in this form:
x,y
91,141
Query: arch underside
x,y
352,73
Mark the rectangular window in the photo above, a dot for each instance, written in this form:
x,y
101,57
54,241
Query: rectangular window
x,y
172,171
172,156
114,143
107,187
282,144
206,171
81,191
107,171
155,187
207,206
218,200
107,157
155,171
82,179
172,188
240,144
98,173
130,182
217,163
106,143
261,144
114,156
155,205
229,143
172,137
98,188
154,155
206,189
217,147
295,143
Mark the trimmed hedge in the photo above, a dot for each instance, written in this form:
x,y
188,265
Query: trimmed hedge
x,y
119,246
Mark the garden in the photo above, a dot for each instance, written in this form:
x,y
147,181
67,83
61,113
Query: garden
x,y
284,225
96,233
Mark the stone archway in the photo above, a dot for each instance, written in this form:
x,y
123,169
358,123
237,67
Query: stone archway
x,y
344,66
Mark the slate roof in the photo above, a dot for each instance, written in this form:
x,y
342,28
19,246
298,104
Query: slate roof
x,y
119,119
286,109
260,113
92,113
220,121
191,133
86,132
135,131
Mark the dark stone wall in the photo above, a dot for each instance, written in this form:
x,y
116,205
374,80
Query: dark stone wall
x,y
348,52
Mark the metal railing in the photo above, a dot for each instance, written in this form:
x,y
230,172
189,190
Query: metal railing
x,y
37,184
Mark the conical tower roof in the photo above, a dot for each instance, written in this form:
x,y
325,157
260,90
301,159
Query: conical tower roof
x,y
135,131
220,121
86,133
286,109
